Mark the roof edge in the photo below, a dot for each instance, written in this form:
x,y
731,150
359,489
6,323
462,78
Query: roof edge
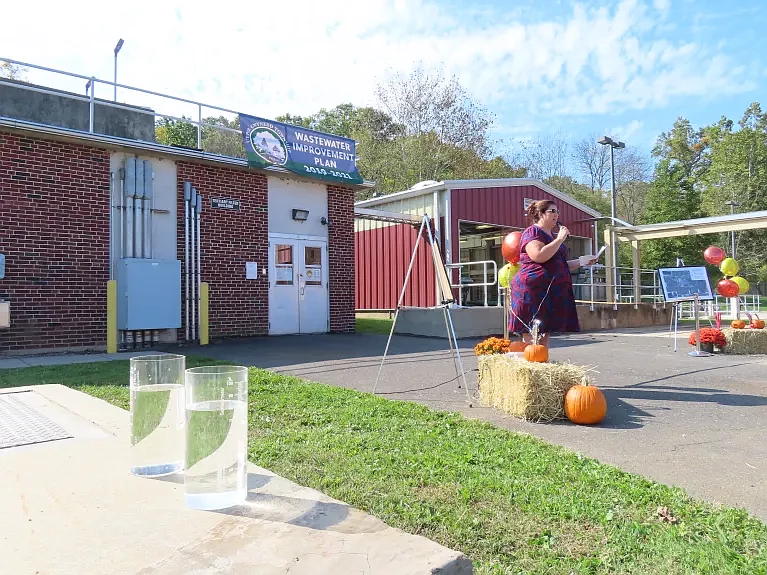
x,y
470,184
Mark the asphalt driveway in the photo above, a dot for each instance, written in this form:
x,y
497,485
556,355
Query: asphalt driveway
x,y
698,423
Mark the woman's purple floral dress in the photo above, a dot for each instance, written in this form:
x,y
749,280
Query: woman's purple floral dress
x,y
528,290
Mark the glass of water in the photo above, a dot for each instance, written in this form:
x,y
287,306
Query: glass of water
x,y
215,474
157,414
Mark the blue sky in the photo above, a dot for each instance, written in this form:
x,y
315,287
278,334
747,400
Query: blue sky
x,y
627,68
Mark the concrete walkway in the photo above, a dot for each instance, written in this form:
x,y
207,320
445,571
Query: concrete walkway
x,y
71,507
67,358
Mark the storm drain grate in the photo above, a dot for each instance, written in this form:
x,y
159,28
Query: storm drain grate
x,y
21,424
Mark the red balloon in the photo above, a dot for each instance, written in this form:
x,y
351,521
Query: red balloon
x,y
727,288
714,255
510,247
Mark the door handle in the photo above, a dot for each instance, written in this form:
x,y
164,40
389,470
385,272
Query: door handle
x,y
303,288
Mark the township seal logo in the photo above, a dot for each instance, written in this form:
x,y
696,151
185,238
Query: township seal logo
x,y
268,143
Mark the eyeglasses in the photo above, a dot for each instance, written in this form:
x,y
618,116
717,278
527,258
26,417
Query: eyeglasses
x,y
553,210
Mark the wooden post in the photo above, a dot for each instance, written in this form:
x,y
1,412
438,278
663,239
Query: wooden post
x,y
637,275
609,265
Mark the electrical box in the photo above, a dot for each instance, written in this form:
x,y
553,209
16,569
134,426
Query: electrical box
x,y
5,314
148,294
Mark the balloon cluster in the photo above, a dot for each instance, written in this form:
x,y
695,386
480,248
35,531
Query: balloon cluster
x,y
510,251
732,284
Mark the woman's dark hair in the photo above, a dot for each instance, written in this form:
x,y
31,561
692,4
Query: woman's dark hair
x,y
537,208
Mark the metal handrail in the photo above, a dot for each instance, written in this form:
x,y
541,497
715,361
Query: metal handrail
x,y
485,284
92,81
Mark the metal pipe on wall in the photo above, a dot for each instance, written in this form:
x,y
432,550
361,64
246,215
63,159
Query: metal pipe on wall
x,y
187,199
138,217
193,298
198,212
130,191
148,201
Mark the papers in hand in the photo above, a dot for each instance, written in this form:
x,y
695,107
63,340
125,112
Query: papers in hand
x,y
587,259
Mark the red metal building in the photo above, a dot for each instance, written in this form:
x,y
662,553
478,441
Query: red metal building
x,y
471,218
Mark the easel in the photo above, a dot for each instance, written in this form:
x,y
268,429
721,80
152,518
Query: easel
x,y
698,352
675,319
445,299
695,298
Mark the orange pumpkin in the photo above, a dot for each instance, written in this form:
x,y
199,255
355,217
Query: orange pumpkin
x,y
738,324
757,324
518,346
537,353
585,404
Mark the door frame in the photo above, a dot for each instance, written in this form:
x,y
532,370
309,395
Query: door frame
x,y
274,238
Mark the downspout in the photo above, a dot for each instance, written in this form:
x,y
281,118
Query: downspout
x,y
193,298
187,199
198,211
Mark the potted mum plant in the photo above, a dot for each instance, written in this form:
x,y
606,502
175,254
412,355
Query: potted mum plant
x,y
710,337
491,346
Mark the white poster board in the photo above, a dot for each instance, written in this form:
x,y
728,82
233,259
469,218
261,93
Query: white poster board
x,y
682,283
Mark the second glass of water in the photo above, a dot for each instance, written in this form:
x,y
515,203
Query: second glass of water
x,y
157,414
216,436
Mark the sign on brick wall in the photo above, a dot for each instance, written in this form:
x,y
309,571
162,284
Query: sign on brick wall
x,y
225,204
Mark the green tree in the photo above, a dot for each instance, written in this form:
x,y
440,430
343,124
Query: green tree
x,y
675,195
181,133
224,139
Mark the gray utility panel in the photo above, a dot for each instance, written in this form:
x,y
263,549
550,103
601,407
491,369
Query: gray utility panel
x,y
148,294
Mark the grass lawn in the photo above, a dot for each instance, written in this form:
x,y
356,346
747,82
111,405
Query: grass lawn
x,y
510,502
374,325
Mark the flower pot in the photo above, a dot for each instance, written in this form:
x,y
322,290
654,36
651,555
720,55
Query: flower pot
x,y
707,346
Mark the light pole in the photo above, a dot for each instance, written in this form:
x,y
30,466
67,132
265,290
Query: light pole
x,y
607,141
117,49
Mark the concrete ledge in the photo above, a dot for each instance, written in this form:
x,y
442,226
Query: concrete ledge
x,y
605,317
71,507
468,322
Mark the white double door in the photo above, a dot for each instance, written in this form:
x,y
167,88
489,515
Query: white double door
x,y
298,286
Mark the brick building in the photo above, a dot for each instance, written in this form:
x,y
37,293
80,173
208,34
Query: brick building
x,y
79,208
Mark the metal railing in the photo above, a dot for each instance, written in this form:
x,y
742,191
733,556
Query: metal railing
x,y
590,286
708,309
467,282
91,84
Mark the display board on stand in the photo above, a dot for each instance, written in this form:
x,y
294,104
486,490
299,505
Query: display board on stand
x,y
687,283
684,283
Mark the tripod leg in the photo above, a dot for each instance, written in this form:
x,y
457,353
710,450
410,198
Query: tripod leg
x,y
391,333
451,332
450,341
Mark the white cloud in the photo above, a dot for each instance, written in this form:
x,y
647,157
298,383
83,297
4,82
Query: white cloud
x,y
626,131
269,58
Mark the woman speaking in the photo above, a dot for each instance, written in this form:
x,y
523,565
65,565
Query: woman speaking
x,y
543,288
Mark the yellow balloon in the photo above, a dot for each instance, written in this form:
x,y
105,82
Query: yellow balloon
x,y
729,267
742,283
506,273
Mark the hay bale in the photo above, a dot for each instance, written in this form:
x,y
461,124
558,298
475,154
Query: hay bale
x,y
531,391
745,341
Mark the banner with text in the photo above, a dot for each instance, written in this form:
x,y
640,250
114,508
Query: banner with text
x,y
299,150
